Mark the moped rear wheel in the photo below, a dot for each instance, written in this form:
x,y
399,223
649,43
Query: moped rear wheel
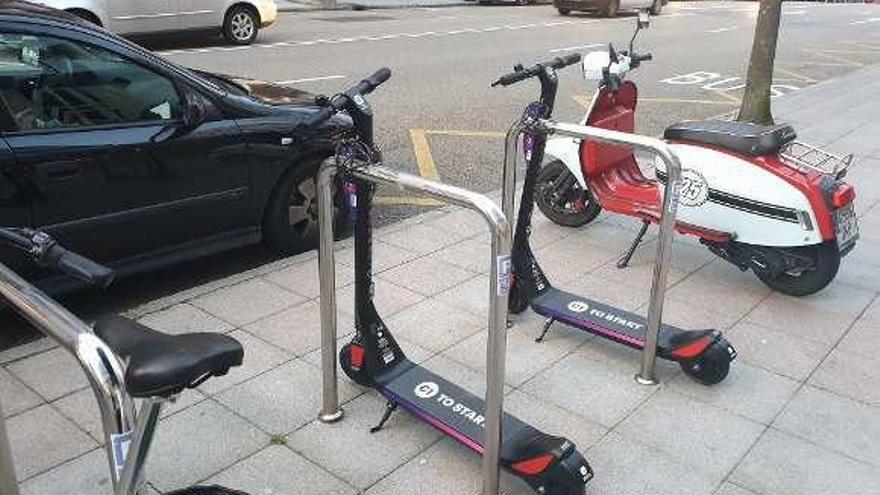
x,y
561,199
826,259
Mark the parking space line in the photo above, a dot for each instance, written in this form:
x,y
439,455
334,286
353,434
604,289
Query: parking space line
x,y
733,99
722,30
685,100
573,48
422,150
836,58
793,74
309,79
406,200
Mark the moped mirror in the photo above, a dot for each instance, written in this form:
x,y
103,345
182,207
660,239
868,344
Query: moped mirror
x,y
644,21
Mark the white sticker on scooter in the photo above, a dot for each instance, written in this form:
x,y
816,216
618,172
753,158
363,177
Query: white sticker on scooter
x,y
426,390
694,188
578,306
120,443
503,275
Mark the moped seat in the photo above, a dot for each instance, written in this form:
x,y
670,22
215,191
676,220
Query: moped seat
x,y
161,365
740,137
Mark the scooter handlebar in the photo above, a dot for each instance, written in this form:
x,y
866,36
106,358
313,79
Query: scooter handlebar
x,y
48,253
523,74
339,102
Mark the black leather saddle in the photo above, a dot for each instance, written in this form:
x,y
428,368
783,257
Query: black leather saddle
x,y
160,365
740,137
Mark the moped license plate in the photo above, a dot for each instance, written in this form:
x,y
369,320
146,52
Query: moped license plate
x,y
846,226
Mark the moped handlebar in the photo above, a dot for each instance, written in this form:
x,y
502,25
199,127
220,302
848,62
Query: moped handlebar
x,y
343,100
521,74
48,253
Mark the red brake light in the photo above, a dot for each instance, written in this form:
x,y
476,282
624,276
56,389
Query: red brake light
x,y
357,356
533,466
693,349
843,195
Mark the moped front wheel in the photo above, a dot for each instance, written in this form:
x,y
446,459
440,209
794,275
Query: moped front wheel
x,y
826,262
561,199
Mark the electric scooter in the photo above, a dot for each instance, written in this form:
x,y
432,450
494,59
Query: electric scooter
x,y
704,355
751,194
551,465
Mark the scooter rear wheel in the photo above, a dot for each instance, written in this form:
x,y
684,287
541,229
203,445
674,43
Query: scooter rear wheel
x,y
710,367
826,257
357,374
569,206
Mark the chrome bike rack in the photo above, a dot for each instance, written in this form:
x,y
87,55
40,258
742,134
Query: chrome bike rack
x,y
498,291
646,375
101,365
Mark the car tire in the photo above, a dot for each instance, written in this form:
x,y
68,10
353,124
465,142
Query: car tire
x,y
612,8
657,7
564,11
242,25
290,220
522,3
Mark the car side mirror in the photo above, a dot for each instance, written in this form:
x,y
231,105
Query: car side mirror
x,y
644,20
195,111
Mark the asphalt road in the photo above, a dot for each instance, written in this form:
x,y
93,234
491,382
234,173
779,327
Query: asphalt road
x,y
438,116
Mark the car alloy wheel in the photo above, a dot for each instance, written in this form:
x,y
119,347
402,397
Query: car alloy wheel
x,y
303,209
242,26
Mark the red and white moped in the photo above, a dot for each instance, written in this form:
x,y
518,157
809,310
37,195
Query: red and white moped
x,y
752,194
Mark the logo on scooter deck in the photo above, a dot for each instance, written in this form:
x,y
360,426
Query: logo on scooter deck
x,y
578,306
430,390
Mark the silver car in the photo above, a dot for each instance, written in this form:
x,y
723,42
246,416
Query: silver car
x,y
608,8
239,20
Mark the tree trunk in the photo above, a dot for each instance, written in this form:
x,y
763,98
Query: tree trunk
x,y
756,100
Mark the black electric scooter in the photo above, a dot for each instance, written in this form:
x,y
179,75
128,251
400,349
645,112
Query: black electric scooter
x,y
551,465
704,355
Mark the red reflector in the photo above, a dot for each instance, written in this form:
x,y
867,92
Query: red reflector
x,y
357,356
693,349
533,466
843,195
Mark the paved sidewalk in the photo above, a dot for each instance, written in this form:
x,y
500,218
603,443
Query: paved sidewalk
x,y
799,414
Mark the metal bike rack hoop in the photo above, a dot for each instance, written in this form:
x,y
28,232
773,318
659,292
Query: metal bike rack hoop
x,y
498,291
672,189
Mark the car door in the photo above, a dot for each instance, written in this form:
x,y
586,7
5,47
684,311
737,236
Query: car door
x,y
118,166
143,16
200,14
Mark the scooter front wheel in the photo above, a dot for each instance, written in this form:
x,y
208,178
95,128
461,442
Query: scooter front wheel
x,y
826,261
561,199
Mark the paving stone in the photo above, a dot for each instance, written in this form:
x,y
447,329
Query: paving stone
x,y
698,290
298,329
445,467
474,381
863,339
796,318
625,466
258,357
184,318
554,420
247,301
620,295
685,257
197,442
873,311
531,357
731,489
302,278
51,374
470,254
598,391
640,275
563,261
781,464
420,239
691,316
624,359
471,296
849,375
835,422
693,433
545,233
87,474
427,276
385,256
459,222
283,399
389,298
838,298
776,351
435,325
41,438
15,396
725,273
749,391
376,455
38,346
277,470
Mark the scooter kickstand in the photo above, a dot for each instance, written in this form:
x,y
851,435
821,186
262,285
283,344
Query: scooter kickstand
x,y
623,262
389,409
546,329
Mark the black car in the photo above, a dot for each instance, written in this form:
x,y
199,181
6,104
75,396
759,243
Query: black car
x,y
136,162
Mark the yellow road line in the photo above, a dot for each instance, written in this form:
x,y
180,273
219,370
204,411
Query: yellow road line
x,y
823,64
793,74
452,132
836,58
862,44
581,100
733,99
422,150
857,52
404,200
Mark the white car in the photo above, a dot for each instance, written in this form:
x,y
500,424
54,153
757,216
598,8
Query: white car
x,y
239,20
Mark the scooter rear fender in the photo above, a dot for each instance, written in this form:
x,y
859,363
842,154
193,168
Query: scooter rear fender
x,y
567,150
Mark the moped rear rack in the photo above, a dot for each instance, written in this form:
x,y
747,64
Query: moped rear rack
x,y
805,157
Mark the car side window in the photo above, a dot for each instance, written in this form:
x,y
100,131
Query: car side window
x,y
52,83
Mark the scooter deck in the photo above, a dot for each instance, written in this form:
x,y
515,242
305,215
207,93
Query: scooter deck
x,y
446,406
601,319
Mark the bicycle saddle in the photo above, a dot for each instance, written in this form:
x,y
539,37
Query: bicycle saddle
x,y
160,365
740,137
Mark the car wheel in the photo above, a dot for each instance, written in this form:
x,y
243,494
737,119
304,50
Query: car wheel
x,y
657,7
523,2
241,25
290,223
612,8
564,11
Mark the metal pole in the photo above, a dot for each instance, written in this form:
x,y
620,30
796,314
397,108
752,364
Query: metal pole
x,y
330,411
646,375
508,179
499,286
141,440
102,367
8,483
